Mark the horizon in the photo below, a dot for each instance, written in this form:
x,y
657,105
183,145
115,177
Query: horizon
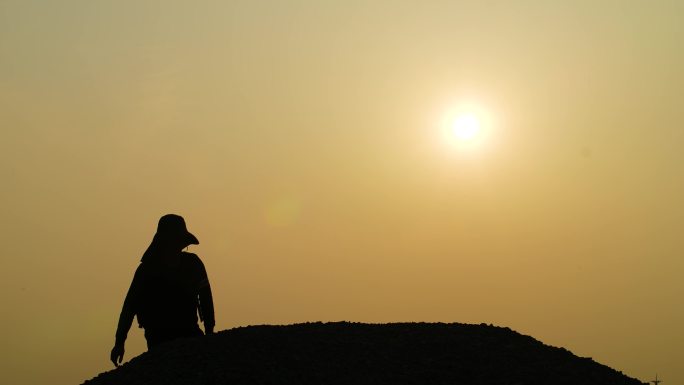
x,y
508,163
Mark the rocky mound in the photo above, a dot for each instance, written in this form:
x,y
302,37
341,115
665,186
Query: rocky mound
x,y
358,354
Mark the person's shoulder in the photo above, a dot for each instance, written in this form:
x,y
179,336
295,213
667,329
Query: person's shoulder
x,y
140,269
192,258
142,272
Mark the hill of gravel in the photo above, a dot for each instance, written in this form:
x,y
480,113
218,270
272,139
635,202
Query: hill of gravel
x,y
359,354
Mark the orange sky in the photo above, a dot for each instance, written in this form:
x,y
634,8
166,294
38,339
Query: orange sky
x,y
302,143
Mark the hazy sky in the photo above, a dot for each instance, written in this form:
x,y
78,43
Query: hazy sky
x,y
303,143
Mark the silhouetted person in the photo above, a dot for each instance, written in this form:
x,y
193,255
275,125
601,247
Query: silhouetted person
x,y
168,289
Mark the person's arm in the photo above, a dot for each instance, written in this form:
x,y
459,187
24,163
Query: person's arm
x,y
206,301
207,308
125,320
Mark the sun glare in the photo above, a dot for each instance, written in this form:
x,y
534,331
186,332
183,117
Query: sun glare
x,y
466,127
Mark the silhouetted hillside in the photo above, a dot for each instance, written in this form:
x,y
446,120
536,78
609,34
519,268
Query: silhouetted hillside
x,y
358,354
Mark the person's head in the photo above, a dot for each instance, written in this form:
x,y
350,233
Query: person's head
x,y
172,236
172,232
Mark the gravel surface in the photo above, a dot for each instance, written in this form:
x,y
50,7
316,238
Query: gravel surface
x,y
358,354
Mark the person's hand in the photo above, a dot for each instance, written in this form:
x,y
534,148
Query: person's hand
x,y
117,354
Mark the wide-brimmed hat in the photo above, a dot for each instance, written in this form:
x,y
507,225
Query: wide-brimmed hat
x,y
170,230
172,227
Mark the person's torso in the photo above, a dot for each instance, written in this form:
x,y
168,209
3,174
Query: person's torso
x,y
168,294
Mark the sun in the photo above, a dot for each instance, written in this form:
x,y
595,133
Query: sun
x,y
466,127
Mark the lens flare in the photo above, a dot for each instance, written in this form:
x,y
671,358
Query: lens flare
x,y
282,212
